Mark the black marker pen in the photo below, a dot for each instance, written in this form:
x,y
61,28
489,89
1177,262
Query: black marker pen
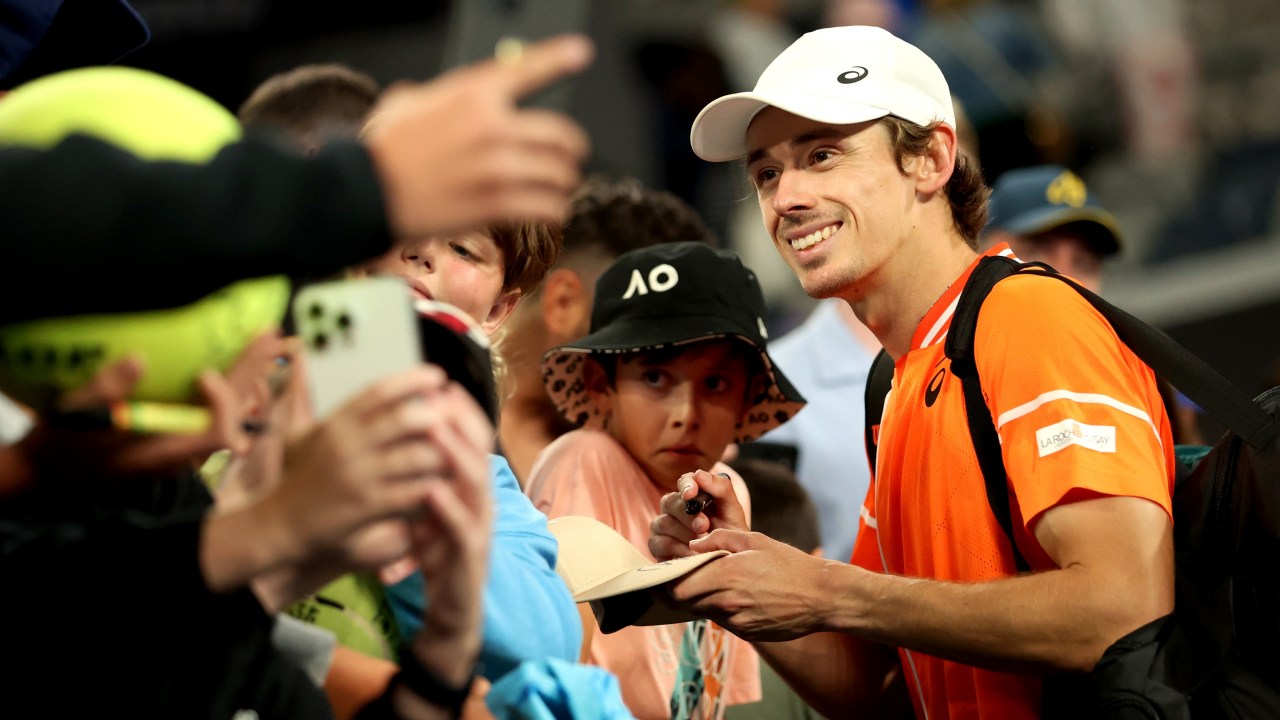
x,y
701,501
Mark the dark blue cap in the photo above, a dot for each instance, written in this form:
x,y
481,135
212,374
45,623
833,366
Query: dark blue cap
x,y
1032,200
40,37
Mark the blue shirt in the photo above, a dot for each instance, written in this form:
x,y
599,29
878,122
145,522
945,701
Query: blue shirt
x,y
828,365
528,612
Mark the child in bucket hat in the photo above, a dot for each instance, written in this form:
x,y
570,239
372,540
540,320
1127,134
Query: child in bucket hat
x,y
668,296
674,370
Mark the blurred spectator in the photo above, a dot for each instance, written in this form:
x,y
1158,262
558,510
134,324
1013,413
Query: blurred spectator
x,y
311,103
995,56
1046,213
485,273
1141,50
827,358
896,16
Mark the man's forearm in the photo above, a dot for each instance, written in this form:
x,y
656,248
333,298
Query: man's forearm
x,y
172,232
1116,574
287,584
1043,622
242,544
833,672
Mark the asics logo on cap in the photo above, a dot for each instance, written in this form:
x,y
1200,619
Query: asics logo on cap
x,y
849,77
661,279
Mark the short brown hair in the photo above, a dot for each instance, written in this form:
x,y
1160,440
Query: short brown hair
x,y
967,192
310,101
620,215
529,250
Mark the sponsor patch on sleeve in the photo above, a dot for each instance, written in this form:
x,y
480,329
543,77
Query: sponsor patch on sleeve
x,y
1064,434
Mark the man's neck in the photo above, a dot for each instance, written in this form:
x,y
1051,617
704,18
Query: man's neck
x,y
857,330
893,301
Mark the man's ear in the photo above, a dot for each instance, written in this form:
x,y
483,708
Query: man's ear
x,y
597,385
500,311
566,306
934,168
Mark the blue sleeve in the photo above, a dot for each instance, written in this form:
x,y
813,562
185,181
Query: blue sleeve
x,y
528,613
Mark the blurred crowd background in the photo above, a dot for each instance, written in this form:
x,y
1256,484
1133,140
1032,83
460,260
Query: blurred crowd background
x,y
1169,109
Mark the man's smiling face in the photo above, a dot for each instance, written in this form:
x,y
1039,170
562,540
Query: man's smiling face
x,y
832,197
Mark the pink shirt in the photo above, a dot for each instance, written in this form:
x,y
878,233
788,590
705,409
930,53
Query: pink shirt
x,y
586,472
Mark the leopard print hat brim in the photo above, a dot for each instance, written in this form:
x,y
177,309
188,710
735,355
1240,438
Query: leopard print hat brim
x,y
562,376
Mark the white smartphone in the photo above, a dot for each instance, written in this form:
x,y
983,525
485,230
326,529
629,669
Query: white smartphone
x,y
354,333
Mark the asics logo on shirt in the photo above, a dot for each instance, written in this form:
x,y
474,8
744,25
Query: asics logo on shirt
x,y
935,387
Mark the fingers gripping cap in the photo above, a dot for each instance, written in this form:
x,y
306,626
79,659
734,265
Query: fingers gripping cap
x,y
603,568
157,119
837,75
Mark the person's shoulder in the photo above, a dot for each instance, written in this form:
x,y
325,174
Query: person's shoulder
x,y
1033,319
577,448
1036,299
585,440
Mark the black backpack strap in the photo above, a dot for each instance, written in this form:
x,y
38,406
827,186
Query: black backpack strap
x,y
1196,379
879,381
982,431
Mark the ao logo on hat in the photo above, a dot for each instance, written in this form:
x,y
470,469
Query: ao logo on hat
x,y
661,279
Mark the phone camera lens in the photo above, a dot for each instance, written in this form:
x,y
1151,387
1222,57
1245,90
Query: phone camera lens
x,y
344,321
316,310
321,341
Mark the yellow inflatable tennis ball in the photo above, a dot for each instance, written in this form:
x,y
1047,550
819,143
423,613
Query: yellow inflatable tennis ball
x,y
151,116
155,118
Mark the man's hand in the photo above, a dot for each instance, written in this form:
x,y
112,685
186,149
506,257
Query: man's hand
x,y
670,533
368,461
764,591
452,536
348,486
451,540
457,153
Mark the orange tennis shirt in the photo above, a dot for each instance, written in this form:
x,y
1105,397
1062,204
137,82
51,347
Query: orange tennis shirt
x,y
1077,414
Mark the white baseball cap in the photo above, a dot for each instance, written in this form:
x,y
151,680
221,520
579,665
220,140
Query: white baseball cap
x,y
836,75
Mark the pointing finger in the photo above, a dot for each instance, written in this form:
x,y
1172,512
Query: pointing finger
x,y
541,63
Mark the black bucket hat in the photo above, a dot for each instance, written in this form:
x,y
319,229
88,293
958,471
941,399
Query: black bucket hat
x,y
664,296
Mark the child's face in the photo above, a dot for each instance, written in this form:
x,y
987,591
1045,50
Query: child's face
x,y
465,271
676,415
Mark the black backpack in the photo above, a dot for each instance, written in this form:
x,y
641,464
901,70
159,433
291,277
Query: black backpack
x,y
1217,655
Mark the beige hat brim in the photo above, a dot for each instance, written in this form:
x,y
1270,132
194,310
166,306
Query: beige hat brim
x,y
602,567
